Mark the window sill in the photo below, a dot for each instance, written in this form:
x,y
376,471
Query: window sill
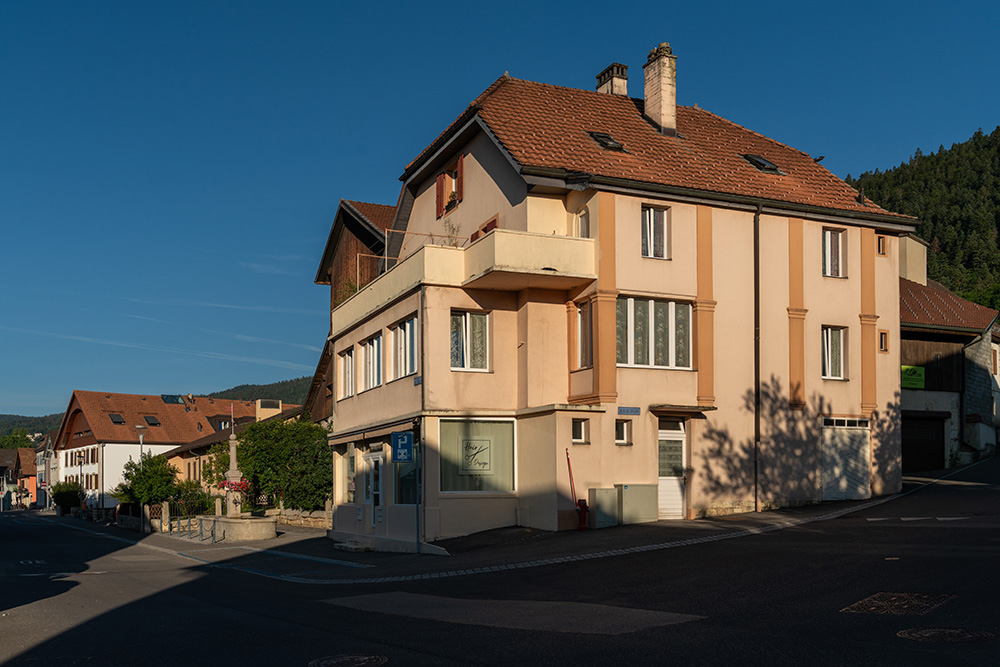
x,y
835,277
344,398
658,368
619,443
580,442
401,377
470,370
662,259
365,391
835,379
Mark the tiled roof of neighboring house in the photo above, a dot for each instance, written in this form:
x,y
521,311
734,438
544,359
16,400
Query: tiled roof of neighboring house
x,y
27,456
223,436
179,422
380,215
548,127
932,305
8,457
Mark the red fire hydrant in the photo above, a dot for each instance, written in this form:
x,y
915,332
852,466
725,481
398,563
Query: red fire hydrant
x,y
582,513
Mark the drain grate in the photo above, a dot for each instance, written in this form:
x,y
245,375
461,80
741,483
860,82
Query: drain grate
x,y
946,635
350,661
911,604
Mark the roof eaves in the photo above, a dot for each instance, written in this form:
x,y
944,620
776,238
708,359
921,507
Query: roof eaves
x,y
895,222
433,151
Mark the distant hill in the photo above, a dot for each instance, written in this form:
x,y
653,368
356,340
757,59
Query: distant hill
x,y
10,423
293,391
956,195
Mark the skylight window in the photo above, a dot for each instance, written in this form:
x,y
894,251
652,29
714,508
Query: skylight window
x,y
172,399
117,419
151,420
762,164
607,142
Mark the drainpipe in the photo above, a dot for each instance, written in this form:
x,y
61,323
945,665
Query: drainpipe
x,y
756,359
418,440
961,394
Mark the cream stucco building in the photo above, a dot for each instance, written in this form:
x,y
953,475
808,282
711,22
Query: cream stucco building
x,y
581,291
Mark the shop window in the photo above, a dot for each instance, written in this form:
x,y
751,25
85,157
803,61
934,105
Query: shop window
x,y
477,456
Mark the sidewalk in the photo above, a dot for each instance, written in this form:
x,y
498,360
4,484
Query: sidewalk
x,y
307,556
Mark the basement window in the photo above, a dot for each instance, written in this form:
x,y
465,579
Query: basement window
x,y
762,164
607,142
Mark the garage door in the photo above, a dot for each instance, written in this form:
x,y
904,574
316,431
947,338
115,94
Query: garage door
x,y
923,443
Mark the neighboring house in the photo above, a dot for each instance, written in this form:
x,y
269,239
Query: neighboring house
x,y
26,476
46,463
8,465
190,459
949,372
100,432
580,281
355,254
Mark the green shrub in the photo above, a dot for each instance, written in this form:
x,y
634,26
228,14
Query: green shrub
x,y
66,495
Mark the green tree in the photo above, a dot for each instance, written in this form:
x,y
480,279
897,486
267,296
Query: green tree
x,y
17,439
151,480
288,460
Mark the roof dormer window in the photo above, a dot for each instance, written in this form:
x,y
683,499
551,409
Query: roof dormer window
x,y
607,142
762,164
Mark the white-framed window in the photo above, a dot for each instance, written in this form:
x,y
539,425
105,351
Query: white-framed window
x,y
623,431
371,362
834,339
581,432
584,336
581,223
347,373
654,333
404,348
834,264
655,232
469,340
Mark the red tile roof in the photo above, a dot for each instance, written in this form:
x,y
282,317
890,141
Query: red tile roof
x,y
179,423
27,458
932,305
380,215
548,127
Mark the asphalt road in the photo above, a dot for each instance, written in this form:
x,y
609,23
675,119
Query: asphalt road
x,y
836,591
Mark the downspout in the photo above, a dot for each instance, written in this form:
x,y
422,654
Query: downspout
x,y
419,443
961,394
756,358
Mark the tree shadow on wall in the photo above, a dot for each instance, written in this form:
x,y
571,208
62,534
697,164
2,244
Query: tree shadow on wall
x,y
790,455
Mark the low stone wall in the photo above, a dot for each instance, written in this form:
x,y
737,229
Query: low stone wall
x,y
318,519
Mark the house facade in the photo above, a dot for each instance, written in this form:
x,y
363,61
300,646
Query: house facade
x,y
100,433
949,370
591,296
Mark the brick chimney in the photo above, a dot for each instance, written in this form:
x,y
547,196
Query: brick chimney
x,y
661,88
613,80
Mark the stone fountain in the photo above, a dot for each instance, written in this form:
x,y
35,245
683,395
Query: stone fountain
x,y
234,526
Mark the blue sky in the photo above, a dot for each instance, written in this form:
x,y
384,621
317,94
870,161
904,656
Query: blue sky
x,y
169,171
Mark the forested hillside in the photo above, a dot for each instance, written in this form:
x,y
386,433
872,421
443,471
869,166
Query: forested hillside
x,y
11,423
293,391
956,195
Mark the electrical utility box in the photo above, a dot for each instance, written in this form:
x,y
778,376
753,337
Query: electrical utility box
x,y
603,507
636,503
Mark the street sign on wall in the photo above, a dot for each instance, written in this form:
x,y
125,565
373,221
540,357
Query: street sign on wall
x,y
402,446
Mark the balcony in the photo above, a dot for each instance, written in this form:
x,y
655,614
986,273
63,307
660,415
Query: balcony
x,y
500,260
512,261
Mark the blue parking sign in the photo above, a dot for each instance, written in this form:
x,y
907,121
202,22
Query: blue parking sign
x,y
402,446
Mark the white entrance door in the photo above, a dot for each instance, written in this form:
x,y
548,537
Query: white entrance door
x,y
671,463
373,487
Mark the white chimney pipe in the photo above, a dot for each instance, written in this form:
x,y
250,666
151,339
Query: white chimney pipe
x,y
661,88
